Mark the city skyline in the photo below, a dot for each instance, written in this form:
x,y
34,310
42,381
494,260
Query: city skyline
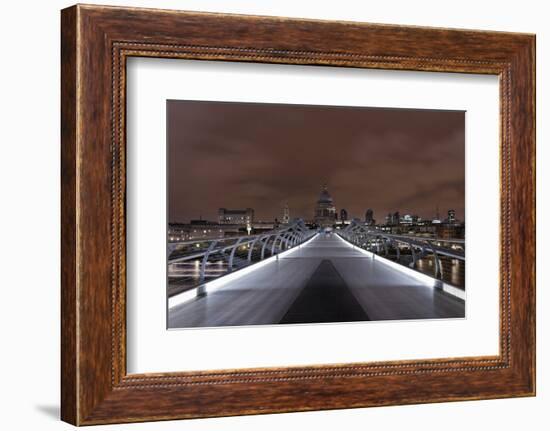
x,y
438,213
263,156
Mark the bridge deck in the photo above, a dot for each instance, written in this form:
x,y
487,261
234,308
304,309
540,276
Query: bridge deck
x,y
326,280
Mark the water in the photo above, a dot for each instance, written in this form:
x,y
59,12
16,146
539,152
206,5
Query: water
x,y
186,275
454,270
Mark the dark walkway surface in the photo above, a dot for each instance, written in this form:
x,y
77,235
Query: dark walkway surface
x,y
326,298
326,280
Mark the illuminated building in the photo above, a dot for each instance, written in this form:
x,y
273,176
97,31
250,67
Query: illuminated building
x,y
325,211
369,217
286,214
201,229
343,215
243,217
451,216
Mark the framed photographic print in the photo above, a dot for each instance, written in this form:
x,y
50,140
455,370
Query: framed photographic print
x,y
268,215
319,261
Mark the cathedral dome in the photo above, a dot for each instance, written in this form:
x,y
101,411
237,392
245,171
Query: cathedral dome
x,y
324,197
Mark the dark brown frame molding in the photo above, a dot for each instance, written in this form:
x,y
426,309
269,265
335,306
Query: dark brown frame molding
x,y
95,43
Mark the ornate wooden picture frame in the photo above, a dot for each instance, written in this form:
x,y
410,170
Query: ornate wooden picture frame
x,y
96,41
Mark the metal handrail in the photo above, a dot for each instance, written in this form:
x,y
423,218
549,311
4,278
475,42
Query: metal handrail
x,y
435,239
360,235
297,226
273,241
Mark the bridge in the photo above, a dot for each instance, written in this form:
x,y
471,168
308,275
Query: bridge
x,y
297,275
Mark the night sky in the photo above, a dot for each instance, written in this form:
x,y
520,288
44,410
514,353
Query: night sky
x,y
238,155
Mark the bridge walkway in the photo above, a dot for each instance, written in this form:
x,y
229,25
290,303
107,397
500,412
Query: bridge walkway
x,y
324,280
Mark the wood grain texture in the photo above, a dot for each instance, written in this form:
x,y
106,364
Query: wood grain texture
x,y
69,397
96,41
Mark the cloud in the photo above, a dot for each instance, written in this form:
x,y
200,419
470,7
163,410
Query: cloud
x,y
260,155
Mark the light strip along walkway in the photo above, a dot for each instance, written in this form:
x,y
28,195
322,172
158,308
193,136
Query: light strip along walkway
x,y
325,280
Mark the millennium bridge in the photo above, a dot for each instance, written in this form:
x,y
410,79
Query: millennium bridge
x,y
298,275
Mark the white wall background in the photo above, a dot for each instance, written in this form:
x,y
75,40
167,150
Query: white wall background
x,y
29,215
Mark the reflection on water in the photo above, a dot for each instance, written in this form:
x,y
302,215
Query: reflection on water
x,y
192,269
453,269
185,275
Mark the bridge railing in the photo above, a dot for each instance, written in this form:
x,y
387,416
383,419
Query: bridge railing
x,y
196,262
443,259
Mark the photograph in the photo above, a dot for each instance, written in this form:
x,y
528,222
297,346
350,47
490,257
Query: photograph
x,y
308,214
256,215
